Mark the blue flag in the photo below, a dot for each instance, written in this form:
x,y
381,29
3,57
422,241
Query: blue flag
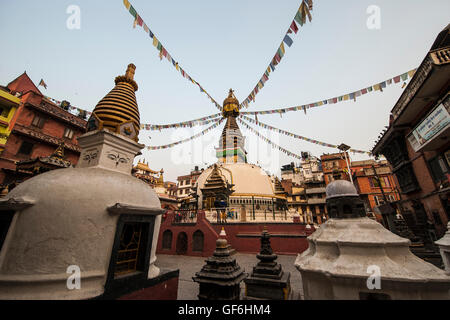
x,y
288,40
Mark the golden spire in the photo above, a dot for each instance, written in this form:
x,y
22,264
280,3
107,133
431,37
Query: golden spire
x,y
160,182
230,105
118,110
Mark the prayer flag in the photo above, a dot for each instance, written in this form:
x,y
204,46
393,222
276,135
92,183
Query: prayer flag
x,y
294,27
288,40
133,11
397,79
127,4
282,49
42,83
298,18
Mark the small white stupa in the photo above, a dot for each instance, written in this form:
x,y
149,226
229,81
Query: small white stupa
x,y
353,257
96,218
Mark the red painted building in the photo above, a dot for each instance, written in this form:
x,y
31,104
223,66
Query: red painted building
x,y
334,165
38,128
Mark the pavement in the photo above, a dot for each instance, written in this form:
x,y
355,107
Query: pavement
x,y
188,266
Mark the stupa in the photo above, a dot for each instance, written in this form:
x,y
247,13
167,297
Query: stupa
x,y
244,187
95,218
353,257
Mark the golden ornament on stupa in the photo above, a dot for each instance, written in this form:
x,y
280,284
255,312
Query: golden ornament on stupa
x,y
118,110
230,105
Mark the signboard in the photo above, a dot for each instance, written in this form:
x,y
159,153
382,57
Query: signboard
x,y
434,123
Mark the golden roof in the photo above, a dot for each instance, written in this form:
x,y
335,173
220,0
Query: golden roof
x,y
231,105
143,166
119,106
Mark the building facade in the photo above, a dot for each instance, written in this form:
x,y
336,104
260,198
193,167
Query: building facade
x,y
38,127
335,167
417,144
375,184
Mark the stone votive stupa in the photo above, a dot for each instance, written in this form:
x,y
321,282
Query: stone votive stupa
x,y
268,281
354,257
220,278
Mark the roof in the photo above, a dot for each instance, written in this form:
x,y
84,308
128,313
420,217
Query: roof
x,y
23,84
145,167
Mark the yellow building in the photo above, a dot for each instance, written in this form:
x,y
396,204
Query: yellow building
x,y
8,107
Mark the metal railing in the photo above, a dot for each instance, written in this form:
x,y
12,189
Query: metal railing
x,y
185,216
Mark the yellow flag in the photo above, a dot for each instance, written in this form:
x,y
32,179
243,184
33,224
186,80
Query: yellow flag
x,y
268,70
176,66
346,97
127,4
376,87
282,48
411,73
155,41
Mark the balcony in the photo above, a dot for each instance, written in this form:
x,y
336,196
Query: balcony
x,y
315,190
317,201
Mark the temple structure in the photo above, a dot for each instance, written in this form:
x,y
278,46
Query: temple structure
x,y
234,183
95,224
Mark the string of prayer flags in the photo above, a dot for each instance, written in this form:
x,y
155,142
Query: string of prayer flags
x,y
170,145
162,51
345,97
184,124
293,135
300,17
272,144
71,108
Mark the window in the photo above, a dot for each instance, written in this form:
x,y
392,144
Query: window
x,y
38,121
68,133
131,249
438,169
26,148
378,200
4,112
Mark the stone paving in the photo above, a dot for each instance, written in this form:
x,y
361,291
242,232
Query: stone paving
x,y
188,289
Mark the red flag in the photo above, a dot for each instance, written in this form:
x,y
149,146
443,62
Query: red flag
x,y
397,79
139,20
277,58
294,27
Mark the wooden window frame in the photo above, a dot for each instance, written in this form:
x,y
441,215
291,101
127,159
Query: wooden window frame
x,y
40,121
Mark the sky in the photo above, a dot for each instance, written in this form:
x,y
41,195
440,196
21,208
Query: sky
x,y
223,45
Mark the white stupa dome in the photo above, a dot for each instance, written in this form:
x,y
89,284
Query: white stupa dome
x,y
68,225
248,179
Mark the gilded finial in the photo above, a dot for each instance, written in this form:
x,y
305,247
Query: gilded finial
x,y
130,71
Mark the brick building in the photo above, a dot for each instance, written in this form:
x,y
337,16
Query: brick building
x,y
375,184
37,129
416,143
334,164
